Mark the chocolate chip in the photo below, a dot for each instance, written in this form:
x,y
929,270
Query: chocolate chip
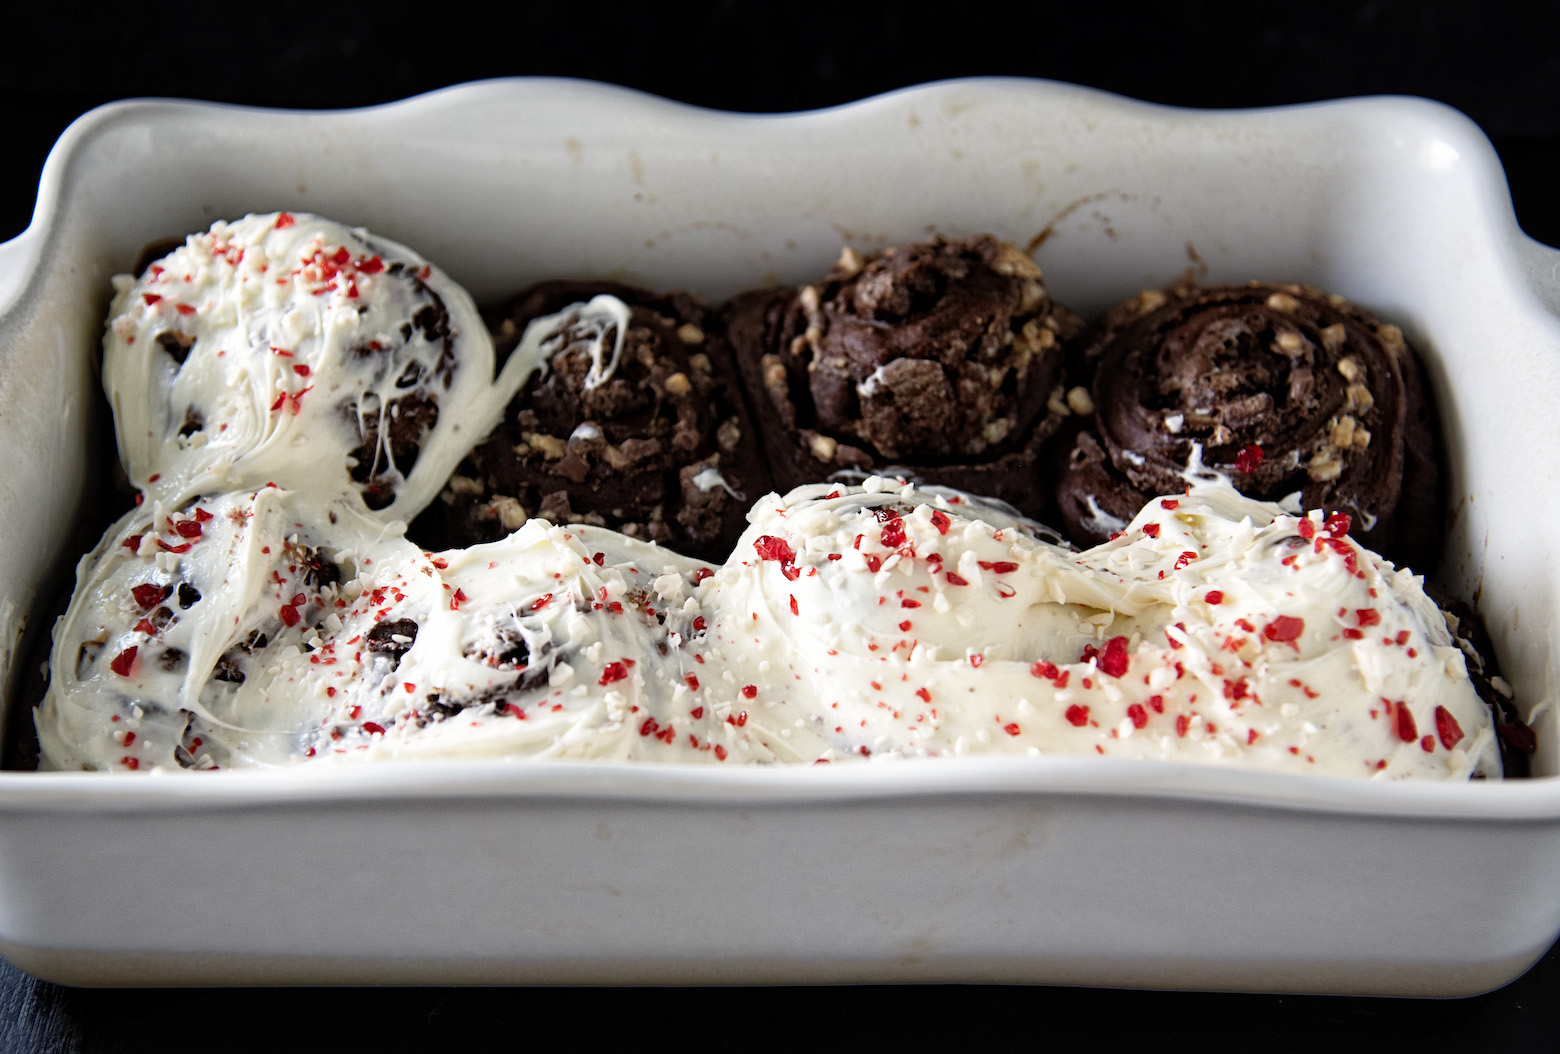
x,y
517,654
433,320
319,571
438,710
176,344
227,669
572,467
189,596
393,637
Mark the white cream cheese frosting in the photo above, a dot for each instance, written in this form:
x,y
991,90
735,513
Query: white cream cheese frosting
x,y
249,642
1216,629
881,621
285,348
555,642
168,652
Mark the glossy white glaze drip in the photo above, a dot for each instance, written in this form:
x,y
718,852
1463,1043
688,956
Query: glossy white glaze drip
x,y
586,324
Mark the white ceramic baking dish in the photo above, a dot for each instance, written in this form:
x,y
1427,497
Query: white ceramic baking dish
x,y
1065,871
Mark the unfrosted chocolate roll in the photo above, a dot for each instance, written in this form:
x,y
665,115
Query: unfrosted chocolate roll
x,y
1282,387
937,361
649,436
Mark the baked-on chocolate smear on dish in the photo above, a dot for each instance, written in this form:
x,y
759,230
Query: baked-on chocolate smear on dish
x,y
637,424
1284,388
939,361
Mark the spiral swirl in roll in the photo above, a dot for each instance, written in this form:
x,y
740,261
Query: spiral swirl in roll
x,y
936,361
1284,388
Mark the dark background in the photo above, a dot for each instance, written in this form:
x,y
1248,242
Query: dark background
x,y
1500,64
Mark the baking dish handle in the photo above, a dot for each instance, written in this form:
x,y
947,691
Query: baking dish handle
x,y
1540,266
16,260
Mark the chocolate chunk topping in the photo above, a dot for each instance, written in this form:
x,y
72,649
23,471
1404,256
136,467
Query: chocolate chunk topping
x,y
910,404
612,447
189,596
939,349
936,361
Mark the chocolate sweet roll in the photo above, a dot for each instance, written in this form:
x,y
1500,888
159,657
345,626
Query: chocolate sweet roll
x,y
286,348
1287,390
636,424
937,361
1516,738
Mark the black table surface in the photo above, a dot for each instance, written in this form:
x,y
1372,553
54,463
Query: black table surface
x,y
1501,71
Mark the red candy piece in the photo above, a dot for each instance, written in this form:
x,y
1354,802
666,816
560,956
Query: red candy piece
x,y
122,662
772,548
149,595
1447,728
1284,628
1406,729
1114,659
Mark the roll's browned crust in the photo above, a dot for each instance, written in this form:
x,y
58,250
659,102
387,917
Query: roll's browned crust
x,y
1282,387
937,361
